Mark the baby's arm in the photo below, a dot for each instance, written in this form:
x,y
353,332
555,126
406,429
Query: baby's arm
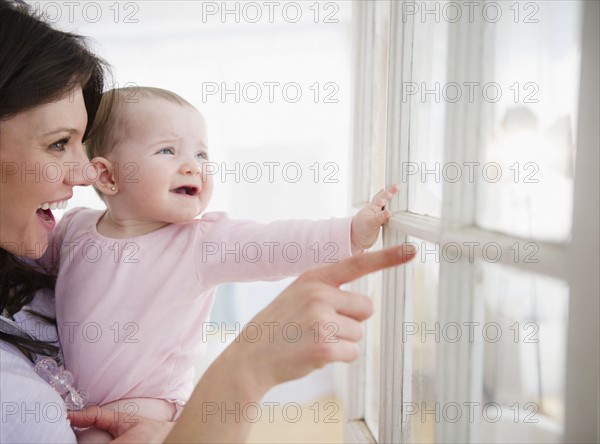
x,y
238,251
367,222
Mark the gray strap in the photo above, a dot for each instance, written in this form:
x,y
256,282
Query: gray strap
x,y
10,327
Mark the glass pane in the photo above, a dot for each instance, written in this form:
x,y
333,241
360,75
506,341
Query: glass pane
x,y
420,344
527,174
427,114
524,354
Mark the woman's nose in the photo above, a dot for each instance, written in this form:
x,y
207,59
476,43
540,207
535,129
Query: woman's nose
x,y
79,171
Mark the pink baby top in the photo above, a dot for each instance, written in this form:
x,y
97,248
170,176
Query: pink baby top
x,y
130,312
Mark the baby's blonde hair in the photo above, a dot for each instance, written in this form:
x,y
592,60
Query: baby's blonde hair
x,y
110,124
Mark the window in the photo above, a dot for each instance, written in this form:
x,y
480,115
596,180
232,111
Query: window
x,y
486,114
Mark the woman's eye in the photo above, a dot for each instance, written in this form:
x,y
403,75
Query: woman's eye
x,y
60,145
203,155
166,151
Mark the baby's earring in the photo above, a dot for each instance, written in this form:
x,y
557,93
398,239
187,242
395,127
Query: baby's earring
x,y
113,188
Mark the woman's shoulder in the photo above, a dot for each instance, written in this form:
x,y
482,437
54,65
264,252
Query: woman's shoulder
x,y
32,411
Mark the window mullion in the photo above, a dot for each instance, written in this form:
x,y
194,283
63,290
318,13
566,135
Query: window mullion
x,y
468,243
362,22
417,225
458,363
394,280
583,367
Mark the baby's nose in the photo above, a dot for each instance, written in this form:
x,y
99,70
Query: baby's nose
x,y
190,168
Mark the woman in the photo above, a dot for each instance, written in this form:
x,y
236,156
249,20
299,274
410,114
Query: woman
x,y
50,85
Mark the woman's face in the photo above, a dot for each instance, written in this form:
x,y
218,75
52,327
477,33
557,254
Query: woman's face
x,y
41,159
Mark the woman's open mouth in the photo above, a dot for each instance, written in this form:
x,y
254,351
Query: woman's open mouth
x,y
44,212
46,218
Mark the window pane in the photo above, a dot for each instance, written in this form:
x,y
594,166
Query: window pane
x,y
532,95
427,114
524,354
420,344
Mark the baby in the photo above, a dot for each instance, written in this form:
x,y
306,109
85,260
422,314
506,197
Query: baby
x,y
136,282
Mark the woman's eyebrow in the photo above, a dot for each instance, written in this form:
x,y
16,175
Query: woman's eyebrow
x,y
61,130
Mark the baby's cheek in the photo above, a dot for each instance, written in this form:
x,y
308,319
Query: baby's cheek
x,y
207,188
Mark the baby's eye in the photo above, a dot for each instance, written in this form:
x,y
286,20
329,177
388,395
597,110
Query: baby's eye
x,y
60,145
166,151
202,155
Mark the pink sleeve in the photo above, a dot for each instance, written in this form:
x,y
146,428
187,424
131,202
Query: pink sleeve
x,y
238,250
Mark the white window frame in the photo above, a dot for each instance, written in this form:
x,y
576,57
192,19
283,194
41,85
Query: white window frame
x,y
576,262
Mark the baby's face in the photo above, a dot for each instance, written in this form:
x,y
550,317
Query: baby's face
x,y
161,162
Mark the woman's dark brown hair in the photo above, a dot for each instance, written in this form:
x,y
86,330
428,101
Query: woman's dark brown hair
x,y
38,64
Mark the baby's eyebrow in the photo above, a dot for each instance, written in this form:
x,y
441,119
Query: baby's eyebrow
x,y
163,141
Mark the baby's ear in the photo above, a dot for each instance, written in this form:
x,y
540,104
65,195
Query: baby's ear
x,y
105,182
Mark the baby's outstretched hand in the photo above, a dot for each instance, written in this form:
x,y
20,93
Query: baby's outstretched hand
x,y
366,223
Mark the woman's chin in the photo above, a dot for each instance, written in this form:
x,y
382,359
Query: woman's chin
x,y
35,246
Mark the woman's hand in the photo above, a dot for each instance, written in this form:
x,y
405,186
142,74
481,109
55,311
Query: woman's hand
x,y
311,323
123,426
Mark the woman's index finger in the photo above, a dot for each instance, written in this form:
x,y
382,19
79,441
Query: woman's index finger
x,y
354,267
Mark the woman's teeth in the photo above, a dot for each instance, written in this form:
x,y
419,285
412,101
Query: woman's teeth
x,y
54,205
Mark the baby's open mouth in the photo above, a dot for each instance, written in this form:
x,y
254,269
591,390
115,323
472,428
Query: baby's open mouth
x,y
186,190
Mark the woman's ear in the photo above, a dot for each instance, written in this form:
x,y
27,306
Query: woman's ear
x,y
105,182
